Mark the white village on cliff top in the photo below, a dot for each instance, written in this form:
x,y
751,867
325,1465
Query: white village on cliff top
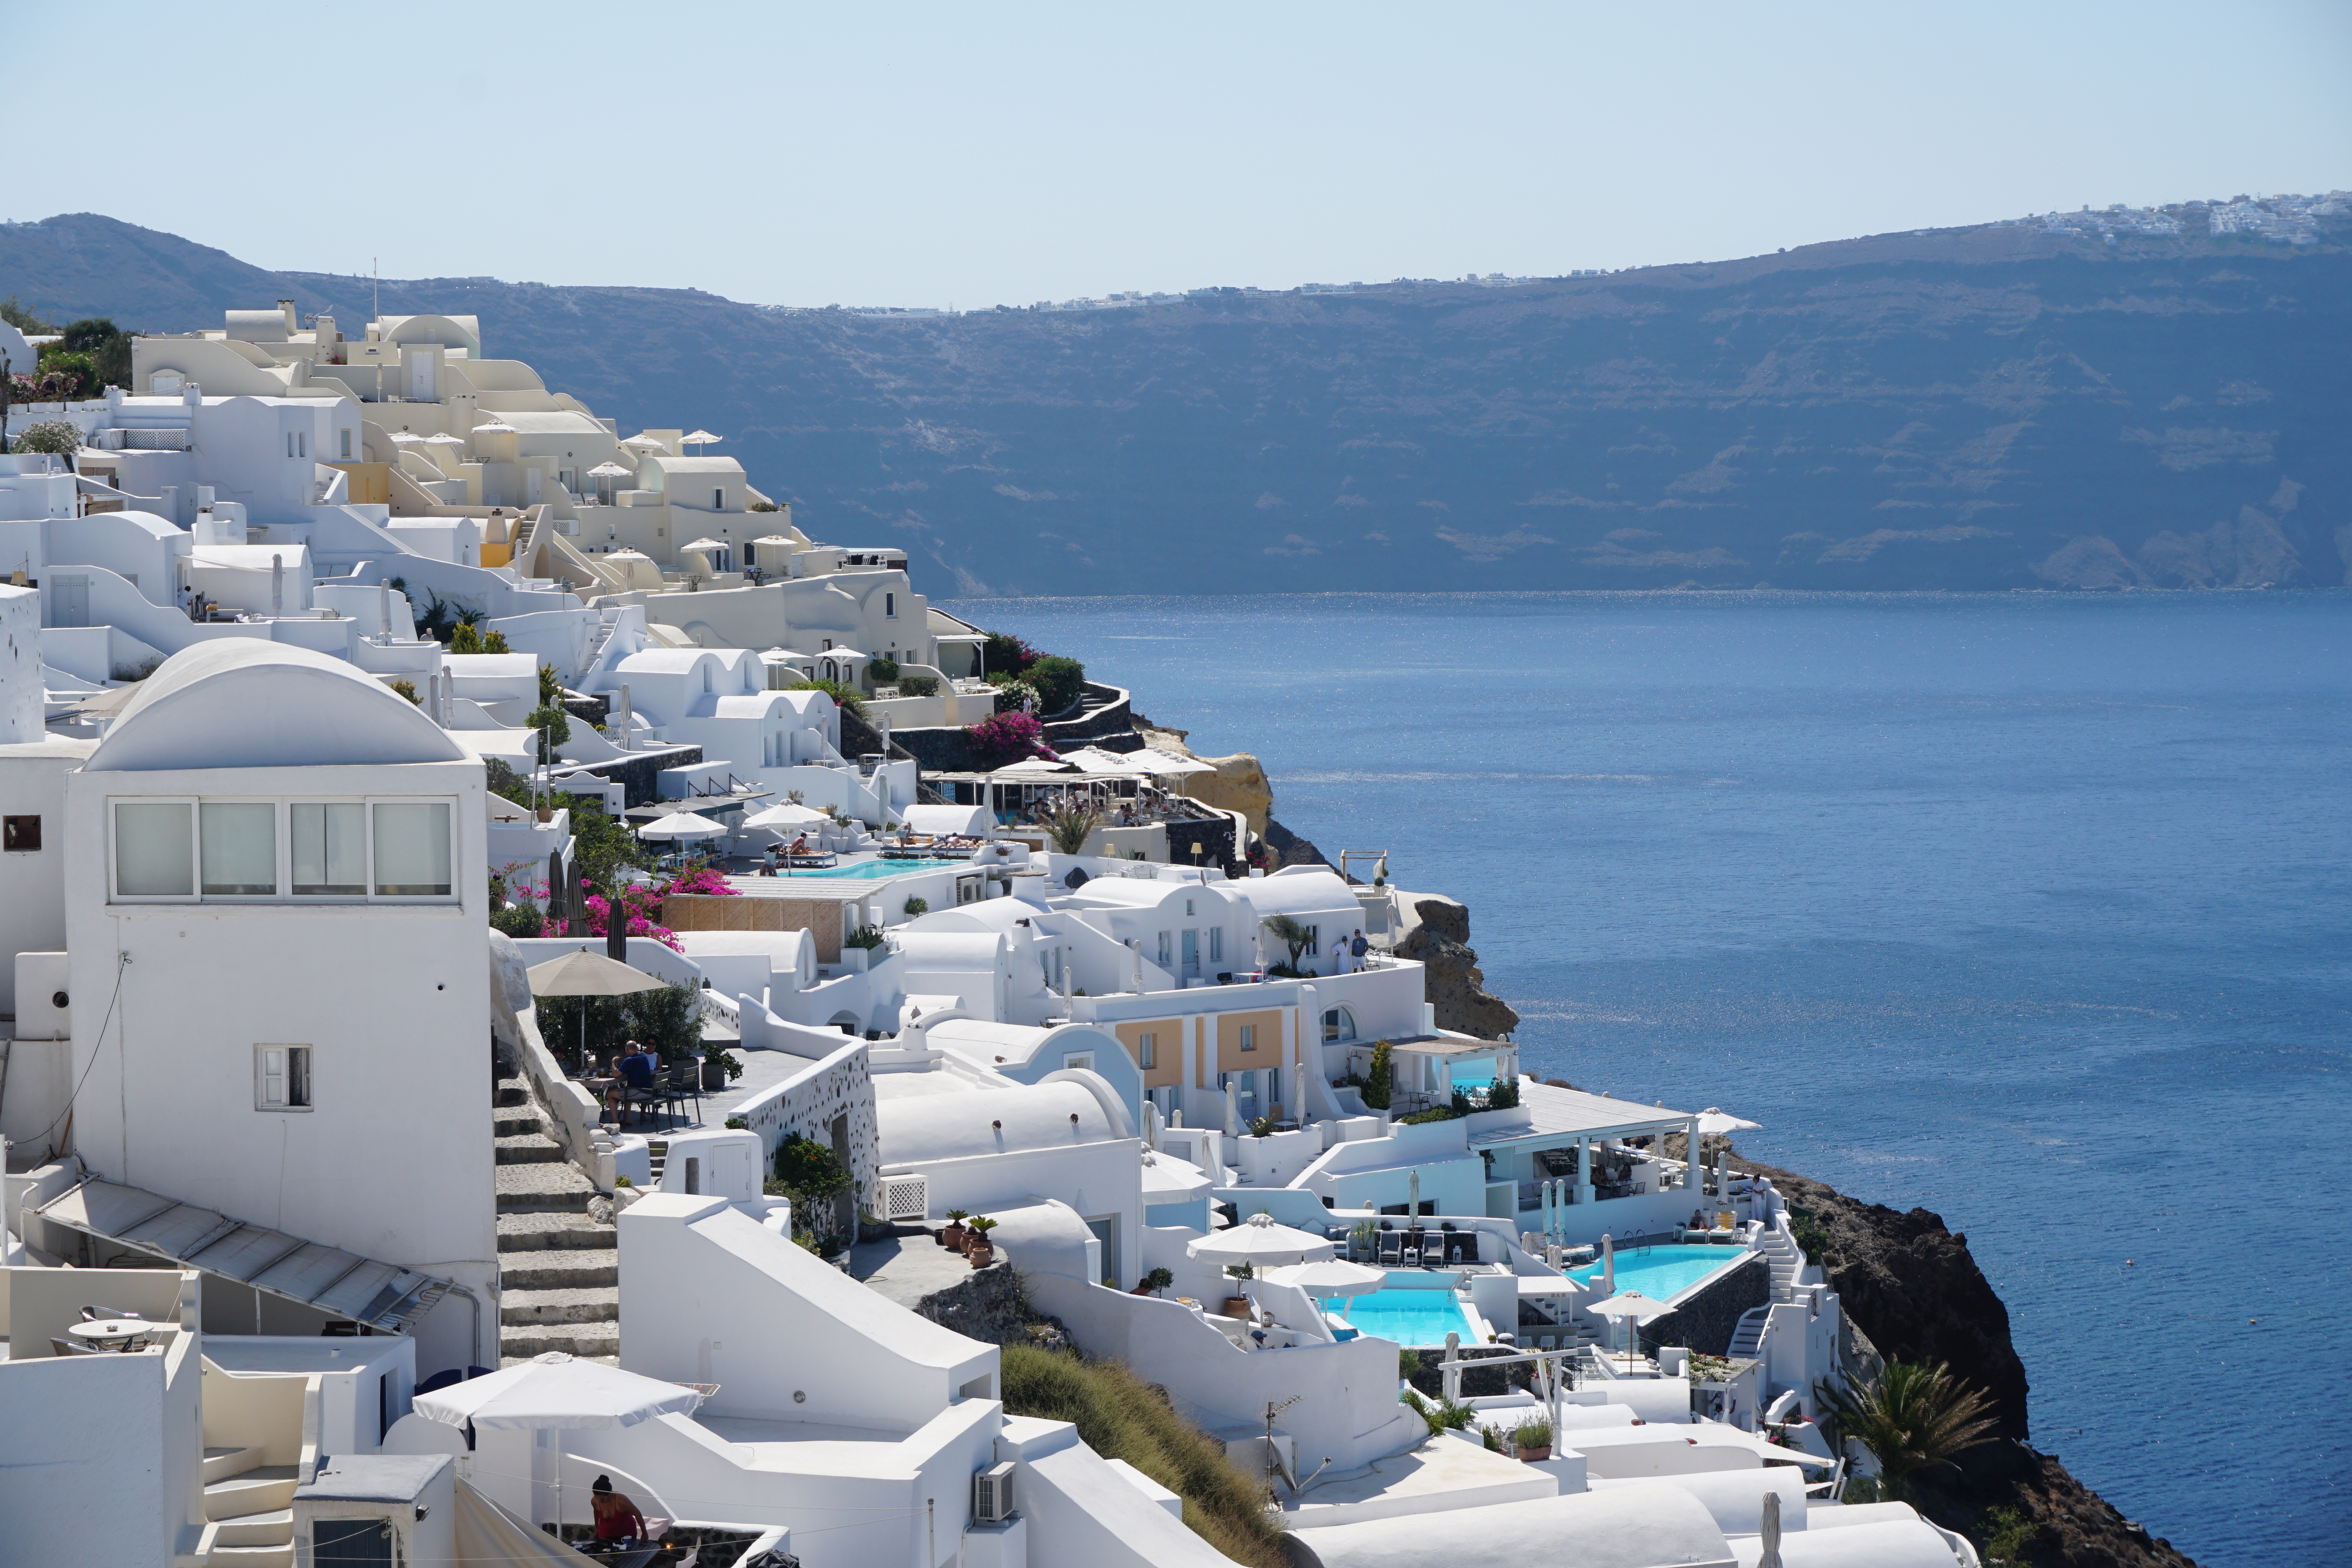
x,y
386,741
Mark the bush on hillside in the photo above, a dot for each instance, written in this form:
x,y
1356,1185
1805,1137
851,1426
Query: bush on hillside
x,y
1008,738
1059,682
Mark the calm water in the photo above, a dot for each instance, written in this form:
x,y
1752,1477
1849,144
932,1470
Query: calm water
x,y
2034,911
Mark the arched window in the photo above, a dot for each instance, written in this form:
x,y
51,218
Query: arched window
x,y
1339,1024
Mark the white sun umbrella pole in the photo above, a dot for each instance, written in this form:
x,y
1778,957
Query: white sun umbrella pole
x,y
1717,1124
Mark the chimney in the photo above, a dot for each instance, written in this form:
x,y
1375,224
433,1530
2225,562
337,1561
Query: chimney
x,y
293,322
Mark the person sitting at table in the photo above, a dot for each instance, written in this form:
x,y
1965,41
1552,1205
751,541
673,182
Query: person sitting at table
x,y
637,1070
617,1517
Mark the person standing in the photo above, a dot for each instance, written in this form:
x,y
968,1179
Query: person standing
x,y
1357,948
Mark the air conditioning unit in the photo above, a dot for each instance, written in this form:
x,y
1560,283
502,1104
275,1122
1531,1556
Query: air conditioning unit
x,y
905,1199
992,1494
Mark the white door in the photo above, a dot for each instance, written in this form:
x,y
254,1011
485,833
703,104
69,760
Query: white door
x,y
71,603
420,377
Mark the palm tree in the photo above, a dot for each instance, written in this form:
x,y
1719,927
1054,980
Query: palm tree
x,y
1912,1416
1070,826
1290,933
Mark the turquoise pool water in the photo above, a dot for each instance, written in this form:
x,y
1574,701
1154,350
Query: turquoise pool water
x,y
1408,1317
873,870
1659,1271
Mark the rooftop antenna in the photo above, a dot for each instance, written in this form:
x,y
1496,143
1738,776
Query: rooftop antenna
x,y
376,282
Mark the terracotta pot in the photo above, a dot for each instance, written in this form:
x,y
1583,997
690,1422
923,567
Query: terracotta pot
x,y
981,1255
1529,1455
1236,1306
952,1236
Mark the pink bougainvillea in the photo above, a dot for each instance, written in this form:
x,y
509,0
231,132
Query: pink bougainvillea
x,y
643,904
1008,738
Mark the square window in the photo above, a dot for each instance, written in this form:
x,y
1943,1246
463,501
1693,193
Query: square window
x,y
20,833
412,850
154,850
1249,1037
1146,1050
239,848
1216,944
328,848
281,1078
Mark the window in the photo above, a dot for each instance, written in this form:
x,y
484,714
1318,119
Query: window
x,y
1249,1037
281,1078
1146,1050
347,444
1216,944
412,850
890,606
718,500
330,849
1166,948
1079,1059
23,833
240,847
1338,1023
1188,909
302,443
154,850
289,443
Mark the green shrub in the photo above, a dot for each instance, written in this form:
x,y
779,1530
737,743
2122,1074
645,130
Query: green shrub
x,y
1121,1417
1504,1095
1434,1113
521,920
1379,1087
867,936
882,669
918,685
59,437
849,698
918,907
1059,682
407,689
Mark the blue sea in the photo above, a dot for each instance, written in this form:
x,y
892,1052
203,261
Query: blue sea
x,y
2032,910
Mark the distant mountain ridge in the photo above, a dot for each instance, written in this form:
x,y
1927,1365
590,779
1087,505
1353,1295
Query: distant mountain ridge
x,y
2071,403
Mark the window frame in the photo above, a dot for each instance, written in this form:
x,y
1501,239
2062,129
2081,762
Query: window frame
x,y
282,841
1147,1049
13,835
298,1076
1245,1037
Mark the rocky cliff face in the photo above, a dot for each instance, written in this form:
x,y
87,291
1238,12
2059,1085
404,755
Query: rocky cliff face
x,y
1912,1287
1453,981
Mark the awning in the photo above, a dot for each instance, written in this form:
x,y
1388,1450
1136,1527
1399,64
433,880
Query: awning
x,y
341,1284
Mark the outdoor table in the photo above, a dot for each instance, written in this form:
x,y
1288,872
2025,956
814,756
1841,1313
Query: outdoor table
x,y
122,1333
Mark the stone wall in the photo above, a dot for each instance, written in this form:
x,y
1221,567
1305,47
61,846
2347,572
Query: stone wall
x,y
1706,1321
809,1105
1102,710
639,772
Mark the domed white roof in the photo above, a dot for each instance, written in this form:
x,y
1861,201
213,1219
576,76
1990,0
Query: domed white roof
x,y
243,702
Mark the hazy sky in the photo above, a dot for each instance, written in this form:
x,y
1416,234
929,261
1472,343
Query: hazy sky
x,y
1004,153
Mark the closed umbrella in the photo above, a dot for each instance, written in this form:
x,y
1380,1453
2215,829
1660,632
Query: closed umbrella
x,y
1608,1265
1258,1240
556,1393
583,974
1769,1530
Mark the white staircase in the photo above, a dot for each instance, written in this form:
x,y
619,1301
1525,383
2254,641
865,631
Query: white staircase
x,y
1748,1339
1786,1259
253,1506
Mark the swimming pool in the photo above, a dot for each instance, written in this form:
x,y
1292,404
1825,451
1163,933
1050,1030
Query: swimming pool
x,y
1659,1272
1408,1317
873,870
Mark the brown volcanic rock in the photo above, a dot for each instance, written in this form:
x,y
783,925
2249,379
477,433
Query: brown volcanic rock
x,y
1452,980
1914,1290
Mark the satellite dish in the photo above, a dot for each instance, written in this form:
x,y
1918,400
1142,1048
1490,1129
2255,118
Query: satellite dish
x,y
1074,878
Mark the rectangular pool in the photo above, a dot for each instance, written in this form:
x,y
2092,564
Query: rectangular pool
x,y
870,871
1408,1317
1661,1272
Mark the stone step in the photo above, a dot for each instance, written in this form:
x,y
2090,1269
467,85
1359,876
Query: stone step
x,y
566,1269
220,1463
518,1119
547,1231
523,1189
527,1149
271,1528
585,1305
598,1339
510,1093
261,1489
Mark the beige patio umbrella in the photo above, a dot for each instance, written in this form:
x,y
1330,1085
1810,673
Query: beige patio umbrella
x,y
683,825
583,974
1259,1240
1629,1304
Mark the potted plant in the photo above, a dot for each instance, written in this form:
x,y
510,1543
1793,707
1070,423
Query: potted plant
x,y
978,1249
1238,1306
1156,1281
952,1235
718,1066
1533,1440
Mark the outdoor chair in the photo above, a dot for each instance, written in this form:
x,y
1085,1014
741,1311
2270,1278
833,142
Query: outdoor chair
x,y
681,1083
1391,1249
1469,1247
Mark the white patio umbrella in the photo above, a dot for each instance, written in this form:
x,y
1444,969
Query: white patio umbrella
x,y
698,438
402,437
556,1393
682,825
1632,1305
1332,1277
443,438
496,427
1038,764
1258,1240
650,443
610,471
1168,765
1094,759
786,816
